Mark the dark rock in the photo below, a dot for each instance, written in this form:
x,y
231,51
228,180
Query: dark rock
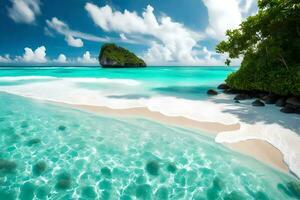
x,y
105,171
7,166
27,191
288,109
33,141
297,111
295,101
171,168
257,102
152,167
231,91
271,99
62,128
39,168
64,181
236,101
280,102
212,92
223,86
113,56
242,97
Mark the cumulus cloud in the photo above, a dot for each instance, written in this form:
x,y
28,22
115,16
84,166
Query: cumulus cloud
x,y
72,37
36,56
224,15
24,11
61,59
87,59
5,59
174,39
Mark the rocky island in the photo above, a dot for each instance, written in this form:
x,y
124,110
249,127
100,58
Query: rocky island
x,y
113,56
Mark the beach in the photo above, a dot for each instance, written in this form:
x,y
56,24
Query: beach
x,y
132,122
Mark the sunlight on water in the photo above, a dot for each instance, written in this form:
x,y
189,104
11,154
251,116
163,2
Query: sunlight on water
x,y
53,152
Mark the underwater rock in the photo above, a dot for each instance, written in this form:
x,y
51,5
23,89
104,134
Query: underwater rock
x,y
64,181
105,185
152,167
88,192
143,191
162,193
7,166
33,141
27,191
42,192
24,124
105,171
62,128
171,168
234,196
39,168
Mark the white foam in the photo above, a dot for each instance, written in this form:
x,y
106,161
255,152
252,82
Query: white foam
x,y
21,78
287,141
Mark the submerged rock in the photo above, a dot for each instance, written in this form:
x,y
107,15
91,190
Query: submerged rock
x,y
105,171
64,181
171,168
257,102
62,128
152,167
27,191
212,92
144,191
33,141
7,166
113,56
39,168
88,192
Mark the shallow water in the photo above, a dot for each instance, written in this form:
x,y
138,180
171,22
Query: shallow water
x,y
49,151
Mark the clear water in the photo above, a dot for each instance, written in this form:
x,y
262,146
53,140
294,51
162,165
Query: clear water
x,y
53,152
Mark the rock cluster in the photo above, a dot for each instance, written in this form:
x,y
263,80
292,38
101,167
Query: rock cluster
x,y
288,104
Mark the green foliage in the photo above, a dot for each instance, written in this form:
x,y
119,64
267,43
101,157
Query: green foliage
x,y
120,56
270,44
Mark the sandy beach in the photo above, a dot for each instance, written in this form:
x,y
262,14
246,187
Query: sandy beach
x,y
258,149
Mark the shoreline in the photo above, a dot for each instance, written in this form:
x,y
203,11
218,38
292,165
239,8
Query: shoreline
x,y
261,150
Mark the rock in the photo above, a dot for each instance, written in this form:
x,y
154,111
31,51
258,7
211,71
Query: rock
x,y
231,91
62,128
271,99
288,109
280,102
39,168
33,141
242,97
105,171
171,168
257,102
152,167
113,56
211,92
236,101
64,181
295,101
223,86
7,166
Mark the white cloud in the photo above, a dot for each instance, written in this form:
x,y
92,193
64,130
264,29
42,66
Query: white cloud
x,y
73,38
24,11
5,59
175,40
36,56
61,59
74,42
87,59
224,15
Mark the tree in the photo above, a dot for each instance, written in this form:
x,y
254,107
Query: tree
x,y
269,41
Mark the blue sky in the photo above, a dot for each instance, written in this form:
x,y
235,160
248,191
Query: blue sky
x,y
71,32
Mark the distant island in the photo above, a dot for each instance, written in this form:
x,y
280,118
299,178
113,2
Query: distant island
x,y
113,56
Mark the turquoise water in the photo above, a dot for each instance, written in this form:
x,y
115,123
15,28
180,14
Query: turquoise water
x,y
53,152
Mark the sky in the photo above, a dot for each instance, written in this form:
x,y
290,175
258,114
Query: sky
x,y
162,32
